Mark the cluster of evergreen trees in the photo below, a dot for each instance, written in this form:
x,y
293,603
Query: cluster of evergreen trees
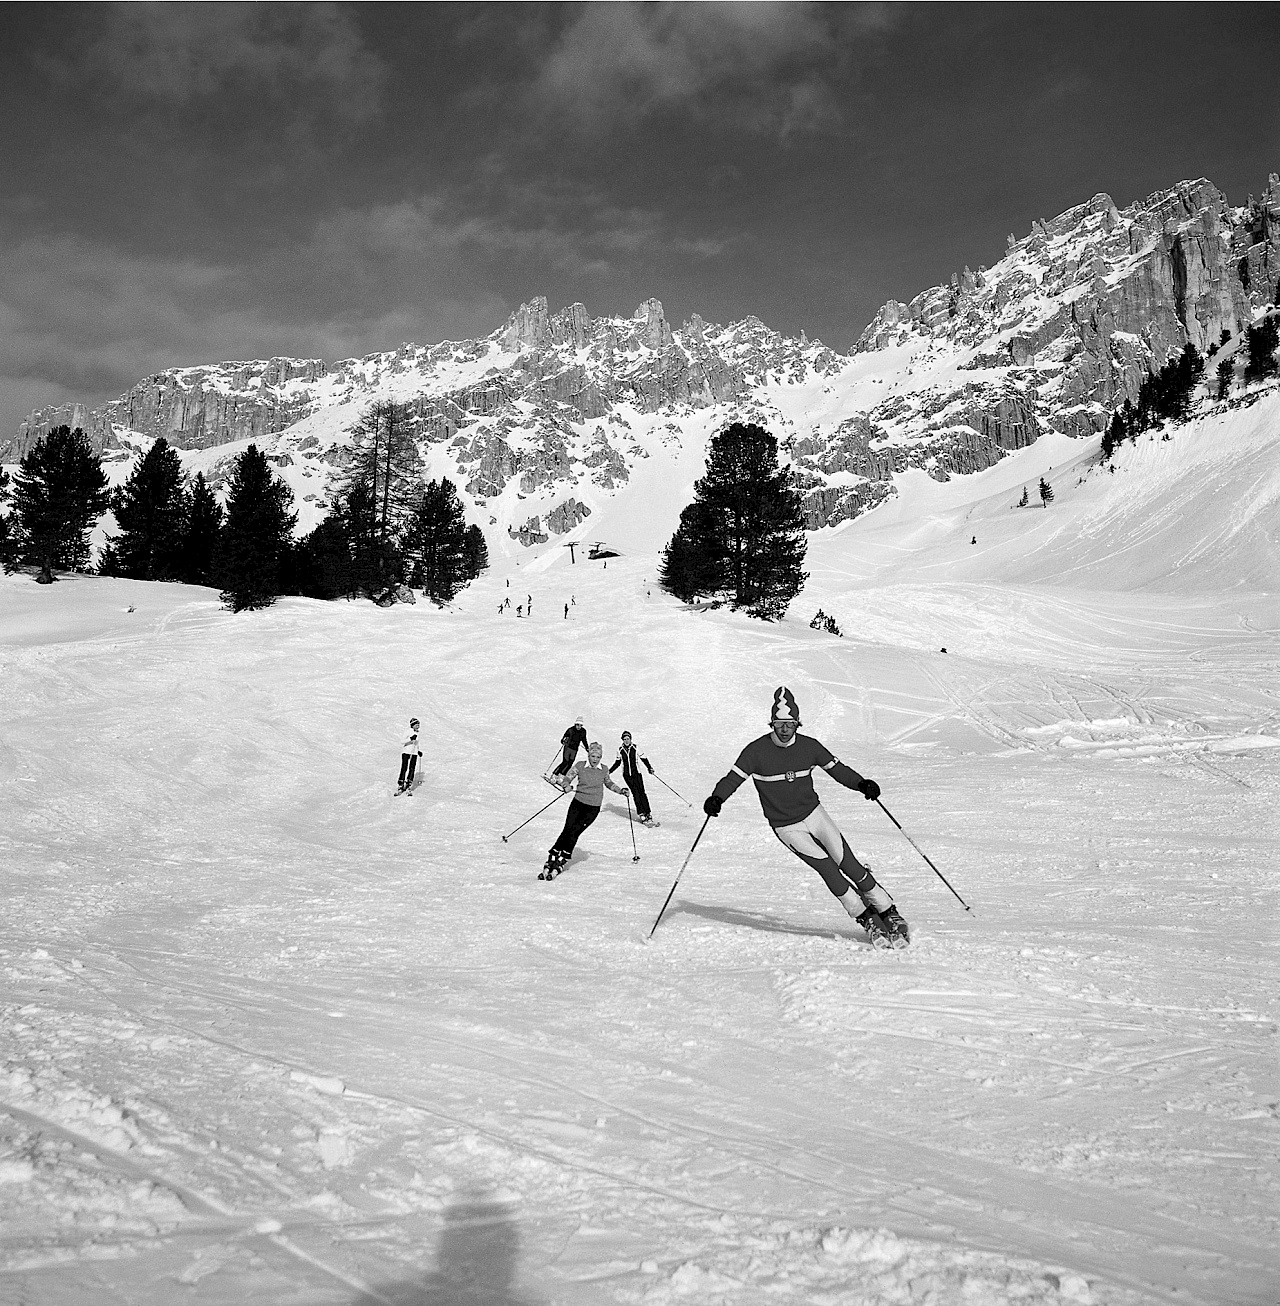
x,y
741,540
168,529
1262,341
386,528
1167,393
1164,395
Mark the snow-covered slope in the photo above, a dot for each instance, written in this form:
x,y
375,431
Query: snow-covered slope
x,y
545,421
271,1036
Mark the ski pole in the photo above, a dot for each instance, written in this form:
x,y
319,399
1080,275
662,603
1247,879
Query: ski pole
x,y
554,755
680,796
539,812
632,824
923,854
673,887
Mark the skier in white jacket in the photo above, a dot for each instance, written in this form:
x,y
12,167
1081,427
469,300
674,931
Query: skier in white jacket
x,y
409,754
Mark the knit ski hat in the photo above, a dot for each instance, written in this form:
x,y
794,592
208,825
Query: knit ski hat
x,y
577,721
784,706
414,722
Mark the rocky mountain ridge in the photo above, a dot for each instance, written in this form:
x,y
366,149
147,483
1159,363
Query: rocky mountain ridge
x,y
553,411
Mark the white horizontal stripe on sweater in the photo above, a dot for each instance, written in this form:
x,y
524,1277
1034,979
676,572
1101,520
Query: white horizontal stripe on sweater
x,y
786,775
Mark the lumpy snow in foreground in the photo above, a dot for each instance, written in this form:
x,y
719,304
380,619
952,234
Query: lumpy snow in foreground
x,y
269,1034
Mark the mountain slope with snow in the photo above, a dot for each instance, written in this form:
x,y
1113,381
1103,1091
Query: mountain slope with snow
x,y
544,422
272,1036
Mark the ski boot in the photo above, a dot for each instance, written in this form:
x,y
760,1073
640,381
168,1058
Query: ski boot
x,y
899,931
553,865
877,931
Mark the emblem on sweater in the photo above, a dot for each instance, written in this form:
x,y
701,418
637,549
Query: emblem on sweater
x,y
791,775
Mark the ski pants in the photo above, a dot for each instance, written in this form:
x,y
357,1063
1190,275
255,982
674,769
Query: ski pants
x,y
818,841
579,816
408,764
567,761
641,799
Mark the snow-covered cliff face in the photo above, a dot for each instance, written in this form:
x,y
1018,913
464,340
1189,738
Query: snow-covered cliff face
x,y
540,421
1066,326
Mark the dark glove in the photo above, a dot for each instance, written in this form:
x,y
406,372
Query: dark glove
x,y
650,768
713,805
869,790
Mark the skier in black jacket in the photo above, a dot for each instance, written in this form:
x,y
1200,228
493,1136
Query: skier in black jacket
x,y
629,759
572,739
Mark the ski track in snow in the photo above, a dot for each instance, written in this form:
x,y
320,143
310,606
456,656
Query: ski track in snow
x,y
268,1036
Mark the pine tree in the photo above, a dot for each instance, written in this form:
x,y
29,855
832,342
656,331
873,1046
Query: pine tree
x,y
1022,503
203,524
692,562
369,562
256,537
1262,341
6,542
1187,373
477,551
1225,370
743,536
322,561
379,490
1046,492
435,542
1129,420
151,510
59,493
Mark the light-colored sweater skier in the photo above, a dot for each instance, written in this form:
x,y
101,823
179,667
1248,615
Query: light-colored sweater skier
x,y
589,780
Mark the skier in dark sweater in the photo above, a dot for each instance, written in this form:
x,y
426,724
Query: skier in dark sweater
x,y
629,759
572,739
591,780
782,764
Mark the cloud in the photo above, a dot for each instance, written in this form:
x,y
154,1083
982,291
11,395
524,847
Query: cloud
x,y
80,321
301,67
767,67
571,227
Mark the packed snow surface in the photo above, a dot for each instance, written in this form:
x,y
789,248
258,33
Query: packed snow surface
x,y
272,1036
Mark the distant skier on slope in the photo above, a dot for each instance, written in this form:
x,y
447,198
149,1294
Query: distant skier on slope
x,y
591,780
629,759
409,754
782,764
572,739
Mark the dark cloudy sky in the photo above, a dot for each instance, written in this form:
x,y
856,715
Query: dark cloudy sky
x,y
192,183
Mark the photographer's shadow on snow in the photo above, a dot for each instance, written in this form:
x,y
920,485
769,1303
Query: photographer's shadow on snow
x,y
476,1262
753,920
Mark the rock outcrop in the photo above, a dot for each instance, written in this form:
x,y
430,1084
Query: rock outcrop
x,y
1077,314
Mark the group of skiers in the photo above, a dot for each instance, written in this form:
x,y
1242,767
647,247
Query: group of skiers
x,y
588,780
525,609
781,764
